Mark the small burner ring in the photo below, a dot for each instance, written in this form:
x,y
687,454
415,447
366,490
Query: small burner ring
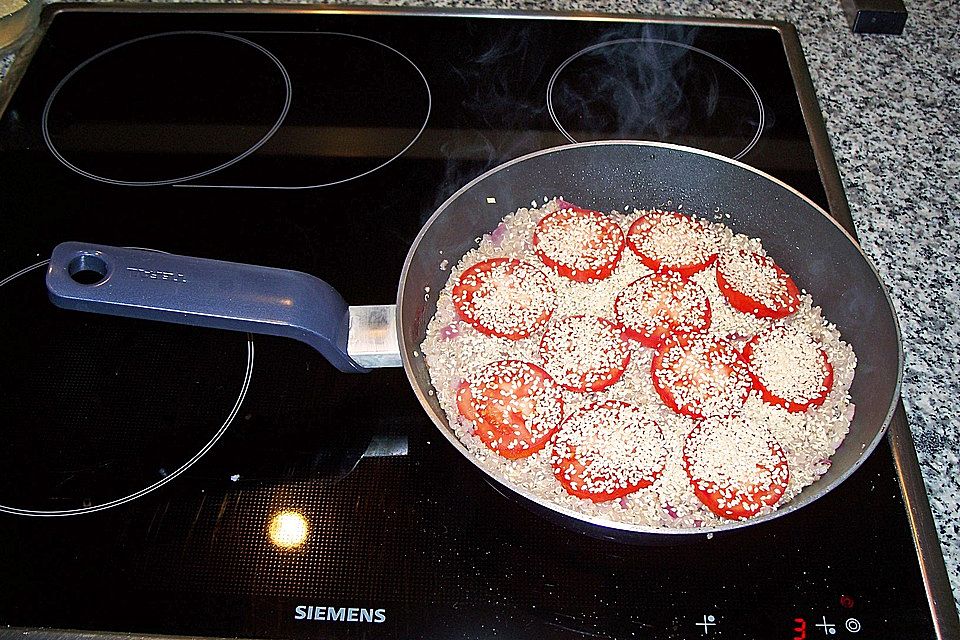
x,y
756,95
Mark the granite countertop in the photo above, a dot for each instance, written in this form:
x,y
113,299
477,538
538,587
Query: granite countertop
x,y
892,109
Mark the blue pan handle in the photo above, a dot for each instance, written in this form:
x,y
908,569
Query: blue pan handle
x,y
138,283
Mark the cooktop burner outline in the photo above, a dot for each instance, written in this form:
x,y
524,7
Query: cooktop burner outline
x,y
426,118
48,139
753,90
231,416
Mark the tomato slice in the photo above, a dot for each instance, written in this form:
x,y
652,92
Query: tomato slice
x,y
660,305
514,406
579,244
607,450
699,376
735,468
584,353
505,297
671,241
754,284
789,368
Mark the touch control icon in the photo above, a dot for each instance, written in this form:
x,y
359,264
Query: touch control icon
x,y
852,625
708,621
828,629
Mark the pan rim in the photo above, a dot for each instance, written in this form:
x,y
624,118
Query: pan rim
x,y
603,523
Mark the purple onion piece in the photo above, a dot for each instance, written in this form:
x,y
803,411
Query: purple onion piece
x,y
498,233
450,331
671,511
850,412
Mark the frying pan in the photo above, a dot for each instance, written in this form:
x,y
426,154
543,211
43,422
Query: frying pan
x,y
804,240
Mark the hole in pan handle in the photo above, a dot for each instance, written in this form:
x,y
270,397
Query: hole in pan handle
x,y
151,285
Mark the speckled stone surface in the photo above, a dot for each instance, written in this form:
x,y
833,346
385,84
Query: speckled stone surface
x,y
892,109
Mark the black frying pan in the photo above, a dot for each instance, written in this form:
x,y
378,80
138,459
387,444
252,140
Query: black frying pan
x,y
804,240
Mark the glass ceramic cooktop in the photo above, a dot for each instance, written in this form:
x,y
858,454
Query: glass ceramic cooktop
x,y
174,480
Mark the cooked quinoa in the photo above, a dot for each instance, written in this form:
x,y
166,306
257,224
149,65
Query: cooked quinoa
x,y
454,350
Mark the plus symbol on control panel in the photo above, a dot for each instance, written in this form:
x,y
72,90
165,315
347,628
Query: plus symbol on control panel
x,y
708,621
828,629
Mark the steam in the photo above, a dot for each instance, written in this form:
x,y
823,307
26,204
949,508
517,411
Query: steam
x,y
638,82
632,85
501,110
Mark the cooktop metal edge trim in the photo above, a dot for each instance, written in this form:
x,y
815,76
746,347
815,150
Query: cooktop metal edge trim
x,y
929,552
816,127
194,7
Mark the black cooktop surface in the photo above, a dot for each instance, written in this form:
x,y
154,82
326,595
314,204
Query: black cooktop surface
x,y
175,480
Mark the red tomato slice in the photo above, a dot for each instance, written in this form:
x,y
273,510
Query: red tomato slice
x,y
608,450
579,244
584,353
754,284
670,241
735,468
660,305
514,406
505,297
699,376
789,368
